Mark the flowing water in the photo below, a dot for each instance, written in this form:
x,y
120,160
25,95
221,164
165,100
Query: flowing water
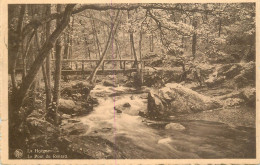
x,y
138,138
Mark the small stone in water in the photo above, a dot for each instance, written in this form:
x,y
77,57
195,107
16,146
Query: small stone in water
x,y
175,126
132,97
164,141
127,105
141,113
118,111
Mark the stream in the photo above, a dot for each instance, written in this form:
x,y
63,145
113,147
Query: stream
x,y
140,138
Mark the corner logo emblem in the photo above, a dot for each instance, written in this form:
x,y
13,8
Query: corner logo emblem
x,y
18,153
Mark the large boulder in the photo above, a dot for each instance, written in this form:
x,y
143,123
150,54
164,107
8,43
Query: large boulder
x,y
154,60
39,113
40,126
91,147
109,83
67,106
80,89
174,99
246,77
249,94
206,69
123,106
231,102
241,97
229,70
222,73
161,76
157,62
75,128
213,80
83,84
233,75
127,109
41,133
81,108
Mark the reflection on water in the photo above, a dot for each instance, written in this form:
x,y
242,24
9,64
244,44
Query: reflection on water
x,y
137,139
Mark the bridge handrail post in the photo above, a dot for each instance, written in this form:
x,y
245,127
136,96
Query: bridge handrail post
x,y
103,66
82,63
124,65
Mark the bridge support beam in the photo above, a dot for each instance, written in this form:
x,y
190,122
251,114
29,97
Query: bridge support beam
x,y
83,73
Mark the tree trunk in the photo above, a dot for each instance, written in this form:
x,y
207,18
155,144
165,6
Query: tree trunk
x,y
96,53
182,38
184,73
138,80
182,42
219,28
47,86
89,56
67,42
37,79
194,42
71,41
26,53
96,36
93,74
66,48
151,43
194,39
131,36
131,48
48,62
56,90
16,45
119,54
45,78
141,57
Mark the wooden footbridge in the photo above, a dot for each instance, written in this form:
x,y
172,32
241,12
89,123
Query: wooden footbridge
x,y
86,66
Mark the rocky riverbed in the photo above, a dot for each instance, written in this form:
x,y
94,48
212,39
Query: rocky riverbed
x,y
117,127
173,121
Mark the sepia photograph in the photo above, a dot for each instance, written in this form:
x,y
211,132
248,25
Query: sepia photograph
x,y
108,81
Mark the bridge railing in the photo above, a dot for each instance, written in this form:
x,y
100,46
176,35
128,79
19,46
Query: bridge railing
x,y
85,66
80,65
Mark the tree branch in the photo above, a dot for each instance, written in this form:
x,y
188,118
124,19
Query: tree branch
x,y
128,7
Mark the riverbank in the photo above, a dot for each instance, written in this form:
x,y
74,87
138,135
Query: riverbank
x,y
234,117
